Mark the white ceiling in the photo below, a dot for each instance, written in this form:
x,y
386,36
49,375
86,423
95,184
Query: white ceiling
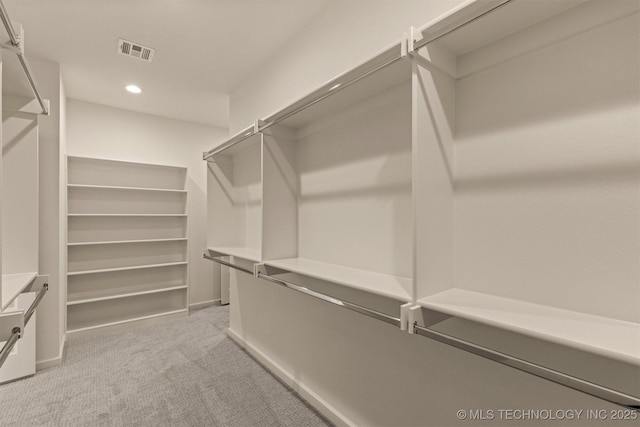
x,y
204,48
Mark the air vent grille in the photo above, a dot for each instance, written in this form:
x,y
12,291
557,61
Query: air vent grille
x,y
135,50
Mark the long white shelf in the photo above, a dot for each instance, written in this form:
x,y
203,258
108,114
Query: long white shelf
x,y
236,251
135,267
117,242
126,215
616,339
113,187
121,322
125,295
394,287
13,285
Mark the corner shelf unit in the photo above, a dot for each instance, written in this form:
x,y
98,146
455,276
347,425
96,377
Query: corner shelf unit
x,y
457,173
127,244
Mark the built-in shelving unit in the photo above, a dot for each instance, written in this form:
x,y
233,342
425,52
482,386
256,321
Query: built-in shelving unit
x,y
234,188
127,243
461,171
510,251
331,186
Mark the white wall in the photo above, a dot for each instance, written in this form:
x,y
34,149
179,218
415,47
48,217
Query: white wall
x,y
547,172
345,34
104,132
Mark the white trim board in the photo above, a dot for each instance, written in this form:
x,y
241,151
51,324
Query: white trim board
x,y
203,304
55,361
321,405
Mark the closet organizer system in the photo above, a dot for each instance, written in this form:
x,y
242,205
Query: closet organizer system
x,y
22,287
351,194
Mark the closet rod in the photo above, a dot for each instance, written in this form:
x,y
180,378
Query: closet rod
x,y
422,43
15,42
575,383
8,346
345,304
228,264
335,86
35,303
245,134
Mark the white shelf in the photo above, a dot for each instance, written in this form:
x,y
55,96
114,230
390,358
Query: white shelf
x,y
244,253
121,322
13,285
112,187
386,285
608,337
116,242
125,295
126,215
135,267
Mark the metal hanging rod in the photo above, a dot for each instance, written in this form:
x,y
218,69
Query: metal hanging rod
x,y
345,304
15,42
16,332
35,303
228,264
575,383
8,346
333,87
245,134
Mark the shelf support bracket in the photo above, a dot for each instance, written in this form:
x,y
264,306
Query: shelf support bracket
x,y
267,270
207,158
404,316
408,43
10,321
417,315
218,258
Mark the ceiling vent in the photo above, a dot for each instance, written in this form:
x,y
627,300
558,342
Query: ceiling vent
x,y
136,50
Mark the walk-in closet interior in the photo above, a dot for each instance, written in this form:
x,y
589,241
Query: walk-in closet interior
x,y
419,213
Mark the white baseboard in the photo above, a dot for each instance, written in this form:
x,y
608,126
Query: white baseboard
x,y
199,305
305,392
56,361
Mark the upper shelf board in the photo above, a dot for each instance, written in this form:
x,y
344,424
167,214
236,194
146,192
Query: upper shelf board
x,y
235,144
13,285
612,338
477,23
394,287
385,70
236,251
116,188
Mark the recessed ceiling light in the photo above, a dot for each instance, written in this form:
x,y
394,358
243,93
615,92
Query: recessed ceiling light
x,y
133,89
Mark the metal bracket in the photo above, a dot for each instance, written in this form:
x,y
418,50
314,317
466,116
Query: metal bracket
x,y
267,270
9,321
217,258
404,316
257,125
411,41
417,315
408,43
19,36
207,158
212,254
